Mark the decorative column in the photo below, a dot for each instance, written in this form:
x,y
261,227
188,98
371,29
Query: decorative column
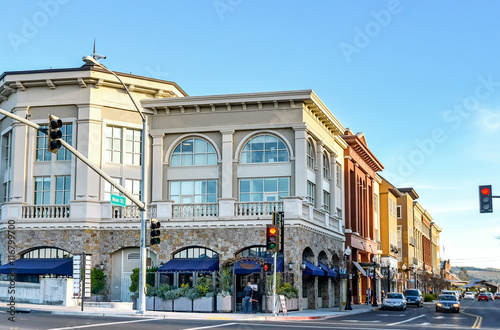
x,y
227,200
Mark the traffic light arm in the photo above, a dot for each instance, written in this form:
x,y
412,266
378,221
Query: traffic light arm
x,y
106,177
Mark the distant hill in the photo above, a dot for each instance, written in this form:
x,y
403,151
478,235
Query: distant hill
x,y
492,275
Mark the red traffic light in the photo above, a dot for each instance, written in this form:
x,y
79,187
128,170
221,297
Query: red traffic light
x,y
485,191
272,230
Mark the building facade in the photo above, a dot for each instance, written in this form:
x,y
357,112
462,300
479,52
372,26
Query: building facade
x,y
216,169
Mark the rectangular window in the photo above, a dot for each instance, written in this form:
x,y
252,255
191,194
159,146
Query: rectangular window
x,y
310,157
6,191
42,190
109,189
375,204
326,167
326,200
42,153
399,215
193,191
63,185
113,144
337,174
133,186
311,188
133,146
6,148
67,135
264,189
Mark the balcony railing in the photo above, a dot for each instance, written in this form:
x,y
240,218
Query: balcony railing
x,y
128,212
257,208
45,212
195,210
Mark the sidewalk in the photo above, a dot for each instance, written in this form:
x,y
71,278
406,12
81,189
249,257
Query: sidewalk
x,y
321,313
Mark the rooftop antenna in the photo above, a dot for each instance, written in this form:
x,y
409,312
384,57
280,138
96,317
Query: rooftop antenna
x,y
97,56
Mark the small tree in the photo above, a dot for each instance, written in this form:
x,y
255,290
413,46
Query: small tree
x,y
98,280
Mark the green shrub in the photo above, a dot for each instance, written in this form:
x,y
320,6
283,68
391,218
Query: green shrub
x,y
191,293
224,281
429,297
172,294
288,291
204,285
98,281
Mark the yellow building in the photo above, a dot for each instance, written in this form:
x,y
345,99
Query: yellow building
x,y
389,195
406,237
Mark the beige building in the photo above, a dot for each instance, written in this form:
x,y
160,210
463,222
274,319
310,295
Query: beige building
x,y
216,168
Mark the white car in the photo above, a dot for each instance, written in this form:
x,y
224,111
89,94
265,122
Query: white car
x,y
469,295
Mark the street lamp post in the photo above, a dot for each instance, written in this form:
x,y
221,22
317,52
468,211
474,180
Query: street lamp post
x,y
142,269
404,276
347,254
375,282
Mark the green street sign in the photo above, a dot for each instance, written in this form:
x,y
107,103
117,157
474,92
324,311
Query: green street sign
x,y
118,200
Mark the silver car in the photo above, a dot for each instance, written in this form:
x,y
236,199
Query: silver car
x,y
469,295
394,300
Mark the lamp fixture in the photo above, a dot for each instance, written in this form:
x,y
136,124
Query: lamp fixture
x,y
290,265
303,265
101,265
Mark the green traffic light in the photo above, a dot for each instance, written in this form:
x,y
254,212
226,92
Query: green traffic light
x,y
272,246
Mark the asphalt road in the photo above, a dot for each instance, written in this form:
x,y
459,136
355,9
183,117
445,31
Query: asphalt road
x,y
474,314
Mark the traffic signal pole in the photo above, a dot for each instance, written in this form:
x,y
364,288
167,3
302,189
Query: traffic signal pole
x,y
274,284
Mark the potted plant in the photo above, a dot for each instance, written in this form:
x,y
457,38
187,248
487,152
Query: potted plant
x,y
185,301
97,283
204,301
224,282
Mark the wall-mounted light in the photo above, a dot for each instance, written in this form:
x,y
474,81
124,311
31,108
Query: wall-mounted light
x,y
290,266
101,266
303,265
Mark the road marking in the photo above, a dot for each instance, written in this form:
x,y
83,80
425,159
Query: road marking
x,y
213,326
413,318
425,323
477,323
102,324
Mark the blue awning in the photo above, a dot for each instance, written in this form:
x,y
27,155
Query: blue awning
x,y
312,270
42,266
184,265
328,271
245,267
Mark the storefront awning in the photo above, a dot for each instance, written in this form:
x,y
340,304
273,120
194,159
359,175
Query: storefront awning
x,y
184,265
328,271
358,266
312,270
43,266
245,267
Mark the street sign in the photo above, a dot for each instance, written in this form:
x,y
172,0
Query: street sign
x,y
118,200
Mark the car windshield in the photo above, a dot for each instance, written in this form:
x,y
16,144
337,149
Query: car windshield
x,y
395,296
447,297
411,293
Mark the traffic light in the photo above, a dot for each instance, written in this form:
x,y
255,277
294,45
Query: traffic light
x,y
155,232
272,238
268,267
55,135
485,199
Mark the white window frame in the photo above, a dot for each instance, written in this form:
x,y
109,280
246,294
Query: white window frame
x,y
192,195
42,192
310,155
65,191
265,194
133,147
249,159
210,156
326,200
113,151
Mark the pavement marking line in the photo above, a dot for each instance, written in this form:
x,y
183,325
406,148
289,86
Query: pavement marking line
x,y
218,318
212,326
414,318
477,323
102,324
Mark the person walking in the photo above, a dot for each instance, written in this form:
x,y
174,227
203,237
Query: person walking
x,y
247,295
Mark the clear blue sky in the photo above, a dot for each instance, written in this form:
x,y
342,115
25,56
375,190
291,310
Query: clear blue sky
x,y
420,78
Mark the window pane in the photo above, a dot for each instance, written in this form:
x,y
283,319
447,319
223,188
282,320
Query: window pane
x,y
212,187
187,160
187,188
244,186
245,197
257,197
175,188
211,159
200,146
187,146
176,160
271,185
257,185
200,159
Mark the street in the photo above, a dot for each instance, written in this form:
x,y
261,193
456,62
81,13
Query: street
x,y
473,314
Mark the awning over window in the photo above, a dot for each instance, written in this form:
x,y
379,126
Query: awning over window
x,y
43,266
184,265
328,271
312,270
358,266
245,267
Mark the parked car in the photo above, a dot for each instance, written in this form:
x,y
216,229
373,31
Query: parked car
x,y
490,295
414,297
394,300
455,293
496,295
469,295
483,296
448,302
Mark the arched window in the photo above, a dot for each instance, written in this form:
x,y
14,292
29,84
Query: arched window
x,y
326,167
196,252
194,152
46,252
310,155
264,149
257,251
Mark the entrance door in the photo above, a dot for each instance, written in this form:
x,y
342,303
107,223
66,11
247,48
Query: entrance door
x,y
126,282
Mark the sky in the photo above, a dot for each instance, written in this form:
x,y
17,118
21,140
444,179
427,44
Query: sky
x,y
420,78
